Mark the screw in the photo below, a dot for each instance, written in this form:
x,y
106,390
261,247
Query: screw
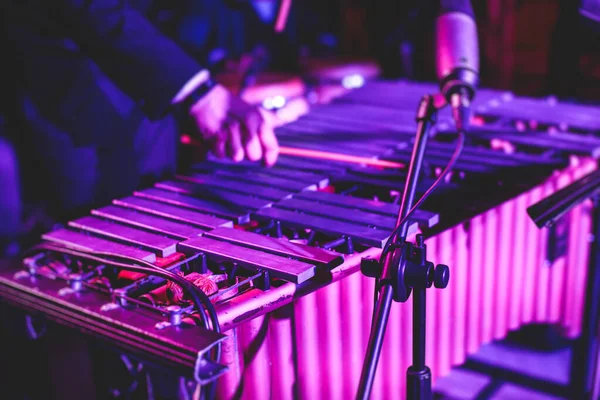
x,y
420,240
162,325
75,282
174,314
119,296
109,307
65,291
21,275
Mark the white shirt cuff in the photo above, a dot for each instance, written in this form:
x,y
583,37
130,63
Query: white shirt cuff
x,y
191,85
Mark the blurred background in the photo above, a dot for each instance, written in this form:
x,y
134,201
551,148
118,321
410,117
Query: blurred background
x,y
531,47
322,48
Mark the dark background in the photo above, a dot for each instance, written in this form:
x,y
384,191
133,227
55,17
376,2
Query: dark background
x,y
532,47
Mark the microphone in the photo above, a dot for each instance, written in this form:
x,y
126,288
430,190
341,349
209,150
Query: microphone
x,y
457,58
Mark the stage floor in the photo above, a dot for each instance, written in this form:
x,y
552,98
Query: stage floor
x,y
507,366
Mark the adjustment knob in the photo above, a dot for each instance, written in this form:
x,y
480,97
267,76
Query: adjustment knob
x,y
441,276
370,267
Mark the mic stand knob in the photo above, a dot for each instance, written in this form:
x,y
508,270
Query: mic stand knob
x,y
441,276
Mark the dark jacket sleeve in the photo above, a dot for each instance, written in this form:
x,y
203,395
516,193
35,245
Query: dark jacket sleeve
x,y
145,63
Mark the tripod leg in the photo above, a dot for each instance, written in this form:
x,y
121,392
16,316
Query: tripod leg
x,y
585,352
382,314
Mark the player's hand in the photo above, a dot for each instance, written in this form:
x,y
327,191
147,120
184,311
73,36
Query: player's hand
x,y
235,128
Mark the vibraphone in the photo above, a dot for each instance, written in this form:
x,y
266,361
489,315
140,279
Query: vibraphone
x,y
277,251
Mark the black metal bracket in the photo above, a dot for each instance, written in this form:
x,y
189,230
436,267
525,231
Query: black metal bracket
x,y
585,377
546,213
558,239
414,271
262,282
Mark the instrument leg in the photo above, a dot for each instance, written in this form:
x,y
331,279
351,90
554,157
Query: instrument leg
x,y
584,371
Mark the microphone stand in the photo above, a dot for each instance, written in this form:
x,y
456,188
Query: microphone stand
x,y
405,268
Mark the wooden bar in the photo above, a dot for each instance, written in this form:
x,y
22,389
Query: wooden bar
x,y
324,167
233,185
268,180
310,254
364,117
527,109
339,213
425,218
220,251
344,123
228,211
563,142
384,184
216,166
304,176
358,144
85,242
497,157
150,222
440,161
319,150
360,233
172,212
160,245
221,196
